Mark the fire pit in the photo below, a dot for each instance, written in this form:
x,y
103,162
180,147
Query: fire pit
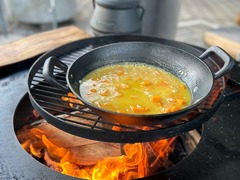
x,y
216,155
200,156
80,157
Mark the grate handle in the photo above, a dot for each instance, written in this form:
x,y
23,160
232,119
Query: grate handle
x,y
48,72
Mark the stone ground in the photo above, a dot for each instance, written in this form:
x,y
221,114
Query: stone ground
x,y
196,16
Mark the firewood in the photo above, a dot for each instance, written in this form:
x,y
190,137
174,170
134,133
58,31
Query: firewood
x,y
55,135
84,152
89,154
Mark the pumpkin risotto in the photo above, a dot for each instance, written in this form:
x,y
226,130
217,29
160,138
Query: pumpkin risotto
x,y
135,88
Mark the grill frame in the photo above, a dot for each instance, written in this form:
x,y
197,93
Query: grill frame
x,y
129,134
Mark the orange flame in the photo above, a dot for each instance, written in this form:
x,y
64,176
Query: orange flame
x,y
71,98
135,163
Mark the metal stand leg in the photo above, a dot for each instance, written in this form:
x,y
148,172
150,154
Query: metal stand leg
x,y
3,23
54,13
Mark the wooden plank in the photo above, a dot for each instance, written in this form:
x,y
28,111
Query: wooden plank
x,y
227,38
36,44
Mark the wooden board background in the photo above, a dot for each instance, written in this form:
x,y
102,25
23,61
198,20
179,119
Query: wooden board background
x,y
36,44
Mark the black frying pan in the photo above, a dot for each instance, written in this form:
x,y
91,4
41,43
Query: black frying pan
x,y
188,67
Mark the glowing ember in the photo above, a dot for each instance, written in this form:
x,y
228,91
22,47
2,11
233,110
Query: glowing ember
x,y
72,99
138,160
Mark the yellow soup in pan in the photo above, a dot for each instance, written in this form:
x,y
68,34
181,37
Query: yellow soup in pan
x,y
135,88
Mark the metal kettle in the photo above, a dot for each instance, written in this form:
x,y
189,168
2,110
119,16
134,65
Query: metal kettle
x,y
116,17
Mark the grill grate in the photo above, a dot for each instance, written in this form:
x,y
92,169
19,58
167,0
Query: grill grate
x,y
73,117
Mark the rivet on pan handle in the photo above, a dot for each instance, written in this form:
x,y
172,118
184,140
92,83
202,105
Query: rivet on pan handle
x,y
48,70
228,61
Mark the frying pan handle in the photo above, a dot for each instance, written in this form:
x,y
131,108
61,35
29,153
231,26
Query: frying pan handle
x,y
228,61
48,70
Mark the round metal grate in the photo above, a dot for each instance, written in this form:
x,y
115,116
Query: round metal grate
x,y
68,114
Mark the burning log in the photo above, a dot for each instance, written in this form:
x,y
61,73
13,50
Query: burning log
x,y
191,140
82,151
59,137
89,154
84,158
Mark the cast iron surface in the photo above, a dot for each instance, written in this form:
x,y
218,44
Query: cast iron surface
x,y
47,100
